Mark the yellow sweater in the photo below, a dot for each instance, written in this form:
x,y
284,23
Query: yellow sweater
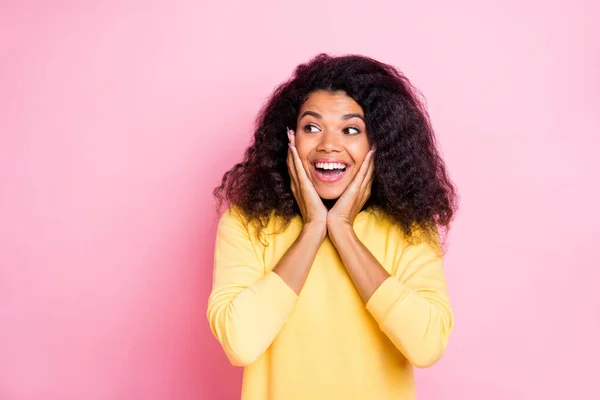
x,y
327,343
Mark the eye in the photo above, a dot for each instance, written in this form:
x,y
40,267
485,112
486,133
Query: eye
x,y
352,131
310,128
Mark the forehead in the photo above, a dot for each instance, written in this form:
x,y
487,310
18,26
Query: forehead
x,y
333,103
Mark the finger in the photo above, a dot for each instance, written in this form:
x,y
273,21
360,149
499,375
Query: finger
x,y
298,167
354,188
365,190
367,184
291,136
300,171
368,179
304,182
290,158
362,172
292,170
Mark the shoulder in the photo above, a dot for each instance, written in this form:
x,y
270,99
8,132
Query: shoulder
x,y
379,224
230,218
261,231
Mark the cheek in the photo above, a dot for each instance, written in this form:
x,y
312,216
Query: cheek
x,y
304,148
303,154
359,152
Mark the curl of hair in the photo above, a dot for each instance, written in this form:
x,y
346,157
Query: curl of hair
x,y
410,185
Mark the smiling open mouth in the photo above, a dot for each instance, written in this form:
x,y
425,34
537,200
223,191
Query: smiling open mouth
x,y
329,172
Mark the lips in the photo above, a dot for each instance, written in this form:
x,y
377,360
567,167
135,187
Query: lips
x,y
329,170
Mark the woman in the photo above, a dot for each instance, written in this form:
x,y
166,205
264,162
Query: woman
x,y
328,280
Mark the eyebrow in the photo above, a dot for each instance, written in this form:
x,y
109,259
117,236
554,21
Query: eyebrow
x,y
319,116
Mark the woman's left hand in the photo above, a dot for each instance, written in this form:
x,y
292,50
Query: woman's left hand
x,y
355,196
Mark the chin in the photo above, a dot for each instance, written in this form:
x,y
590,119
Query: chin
x,y
330,194
331,190
329,198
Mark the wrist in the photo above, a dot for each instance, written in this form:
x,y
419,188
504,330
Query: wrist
x,y
339,225
315,229
339,230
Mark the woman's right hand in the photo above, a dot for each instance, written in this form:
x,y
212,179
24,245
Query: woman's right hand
x,y
311,206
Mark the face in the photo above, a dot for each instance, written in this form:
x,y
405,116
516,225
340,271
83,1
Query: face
x,y
332,142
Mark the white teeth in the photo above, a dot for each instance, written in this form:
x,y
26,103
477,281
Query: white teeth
x,y
330,165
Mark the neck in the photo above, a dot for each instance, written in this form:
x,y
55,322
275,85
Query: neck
x,y
329,203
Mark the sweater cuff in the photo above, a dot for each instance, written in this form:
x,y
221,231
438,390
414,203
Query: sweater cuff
x,y
385,297
275,292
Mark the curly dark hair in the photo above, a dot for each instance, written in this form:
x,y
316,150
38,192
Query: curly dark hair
x,y
410,183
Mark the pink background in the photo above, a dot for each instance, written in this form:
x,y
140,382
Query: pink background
x,y
117,118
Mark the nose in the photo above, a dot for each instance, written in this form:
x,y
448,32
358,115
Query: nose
x,y
330,141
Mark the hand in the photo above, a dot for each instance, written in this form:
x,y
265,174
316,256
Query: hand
x,y
311,206
355,196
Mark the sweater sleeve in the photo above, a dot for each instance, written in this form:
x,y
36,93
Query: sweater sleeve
x,y
412,306
247,307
